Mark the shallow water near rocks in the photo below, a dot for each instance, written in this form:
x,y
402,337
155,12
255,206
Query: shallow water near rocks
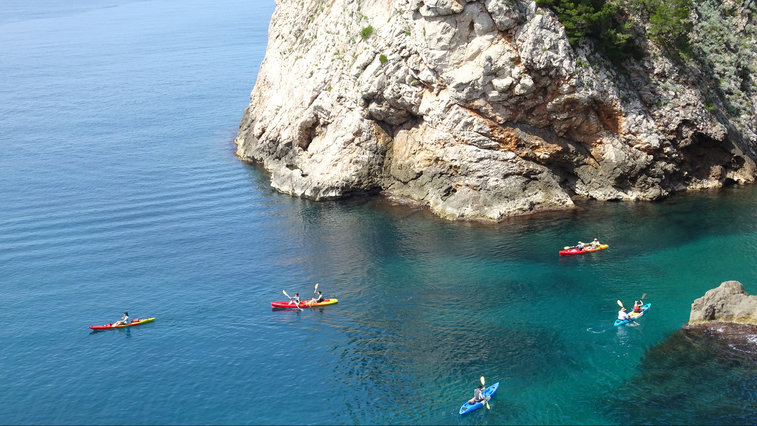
x,y
120,191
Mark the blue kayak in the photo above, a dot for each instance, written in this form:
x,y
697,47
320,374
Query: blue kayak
x,y
488,393
634,315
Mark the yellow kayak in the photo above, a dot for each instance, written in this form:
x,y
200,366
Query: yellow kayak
x,y
135,321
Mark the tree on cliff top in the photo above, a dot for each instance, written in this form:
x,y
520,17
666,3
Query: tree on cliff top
x,y
599,19
670,23
608,22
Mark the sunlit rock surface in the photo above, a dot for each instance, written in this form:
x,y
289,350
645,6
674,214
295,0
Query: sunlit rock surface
x,y
477,109
727,303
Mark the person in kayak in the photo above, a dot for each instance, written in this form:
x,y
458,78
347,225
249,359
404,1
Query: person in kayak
x,y
124,320
317,299
622,315
295,300
477,395
580,245
636,306
595,243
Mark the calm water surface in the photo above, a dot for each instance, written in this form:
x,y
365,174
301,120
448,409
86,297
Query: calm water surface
x,y
120,191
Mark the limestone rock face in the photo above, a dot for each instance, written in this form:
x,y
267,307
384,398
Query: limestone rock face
x,y
478,109
727,303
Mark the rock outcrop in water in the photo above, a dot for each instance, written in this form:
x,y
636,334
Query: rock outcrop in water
x,y
727,303
713,358
482,109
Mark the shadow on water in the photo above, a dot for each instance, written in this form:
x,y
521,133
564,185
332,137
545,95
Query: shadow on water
x,y
124,331
693,377
306,309
631,228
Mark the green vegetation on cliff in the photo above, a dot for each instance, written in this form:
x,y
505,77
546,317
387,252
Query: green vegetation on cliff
x,y
724,43
599,19
610,23
719,37
669,22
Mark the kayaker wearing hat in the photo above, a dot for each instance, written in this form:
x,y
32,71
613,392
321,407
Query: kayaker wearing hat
x,y
580,245
595,243
622,315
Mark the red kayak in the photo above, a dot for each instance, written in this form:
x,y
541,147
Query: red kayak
x,y
135,321
586,249
303,304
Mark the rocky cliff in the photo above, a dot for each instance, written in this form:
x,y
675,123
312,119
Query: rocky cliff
x,y
482,109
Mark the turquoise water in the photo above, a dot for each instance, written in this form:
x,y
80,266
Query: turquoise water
x,y
120,191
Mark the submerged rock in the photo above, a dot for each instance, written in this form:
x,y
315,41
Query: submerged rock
x,y
479,110
696,364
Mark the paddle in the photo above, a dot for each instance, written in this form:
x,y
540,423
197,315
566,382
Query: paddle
x,y
483,383
642,298
290,300
315,291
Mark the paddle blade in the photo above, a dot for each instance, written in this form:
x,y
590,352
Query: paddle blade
x,y
620,304
285,293
316,288
643,296
483,383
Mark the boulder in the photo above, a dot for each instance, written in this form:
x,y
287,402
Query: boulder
x,y
727,303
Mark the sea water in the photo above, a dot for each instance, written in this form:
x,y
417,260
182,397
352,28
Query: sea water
x,y
120,191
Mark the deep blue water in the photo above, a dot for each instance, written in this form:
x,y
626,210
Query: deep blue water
x,y
119,190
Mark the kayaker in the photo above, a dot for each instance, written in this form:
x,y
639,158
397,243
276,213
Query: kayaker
x,y
580,245
595,243
477,396
124,320
317,299
295,300
622,315
636,306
